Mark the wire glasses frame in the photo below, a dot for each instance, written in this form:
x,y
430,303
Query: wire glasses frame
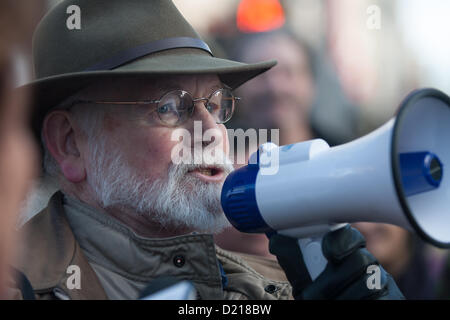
x,y
177,106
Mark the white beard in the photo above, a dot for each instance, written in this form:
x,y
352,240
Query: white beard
x,y
181,201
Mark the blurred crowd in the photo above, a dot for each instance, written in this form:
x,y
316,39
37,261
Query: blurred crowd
x,y
336,79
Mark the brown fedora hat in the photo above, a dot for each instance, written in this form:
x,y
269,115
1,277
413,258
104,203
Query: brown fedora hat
x,y
120,38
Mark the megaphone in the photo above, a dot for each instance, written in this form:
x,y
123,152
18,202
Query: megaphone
x,y
393,175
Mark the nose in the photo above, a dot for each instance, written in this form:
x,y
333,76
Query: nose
x,y
203,127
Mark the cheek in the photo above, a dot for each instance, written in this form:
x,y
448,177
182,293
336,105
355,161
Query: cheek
x,y
145,149
159,148
154,154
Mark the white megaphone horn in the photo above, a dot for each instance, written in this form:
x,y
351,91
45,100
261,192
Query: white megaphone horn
x,y
394,175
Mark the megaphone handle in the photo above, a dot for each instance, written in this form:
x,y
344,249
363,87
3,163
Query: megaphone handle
x,y
313,257
311,249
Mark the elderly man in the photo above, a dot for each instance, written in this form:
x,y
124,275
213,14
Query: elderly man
x,y
109,98
115,93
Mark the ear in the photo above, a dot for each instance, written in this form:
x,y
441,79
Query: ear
x,y
63,141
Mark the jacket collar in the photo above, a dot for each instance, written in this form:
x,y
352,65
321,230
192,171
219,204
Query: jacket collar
x,y
48,248
114,246
116,251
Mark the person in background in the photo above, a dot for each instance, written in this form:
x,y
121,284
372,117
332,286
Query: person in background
x,y
282,98
17,148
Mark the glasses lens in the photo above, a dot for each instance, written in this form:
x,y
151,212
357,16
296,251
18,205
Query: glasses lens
x,y
175,107
221,105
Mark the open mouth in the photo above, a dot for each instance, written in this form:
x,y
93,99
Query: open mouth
x,y
208,173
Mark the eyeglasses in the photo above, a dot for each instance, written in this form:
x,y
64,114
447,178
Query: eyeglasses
x,y
177,106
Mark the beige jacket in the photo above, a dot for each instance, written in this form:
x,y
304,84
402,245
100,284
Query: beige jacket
x,y
49,248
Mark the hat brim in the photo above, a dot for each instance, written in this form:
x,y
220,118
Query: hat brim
x,y
50,91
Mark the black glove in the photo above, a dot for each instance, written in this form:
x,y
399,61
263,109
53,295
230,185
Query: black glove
x,y
345,276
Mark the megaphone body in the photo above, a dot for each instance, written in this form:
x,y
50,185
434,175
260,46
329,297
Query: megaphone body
x,y
393,175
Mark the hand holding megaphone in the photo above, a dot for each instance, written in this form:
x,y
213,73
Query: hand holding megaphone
x,y
393,175
352,272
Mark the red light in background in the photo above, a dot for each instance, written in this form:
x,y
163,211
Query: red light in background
x,y
259,15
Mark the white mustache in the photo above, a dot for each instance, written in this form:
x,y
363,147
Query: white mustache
x,y
221,162
190,167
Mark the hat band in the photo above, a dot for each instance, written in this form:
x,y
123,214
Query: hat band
x,y
148,48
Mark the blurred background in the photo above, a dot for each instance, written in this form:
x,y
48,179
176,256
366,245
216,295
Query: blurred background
x,y
374,51
343,68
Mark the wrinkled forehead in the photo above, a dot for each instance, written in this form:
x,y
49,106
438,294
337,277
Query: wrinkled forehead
x,y
152,87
